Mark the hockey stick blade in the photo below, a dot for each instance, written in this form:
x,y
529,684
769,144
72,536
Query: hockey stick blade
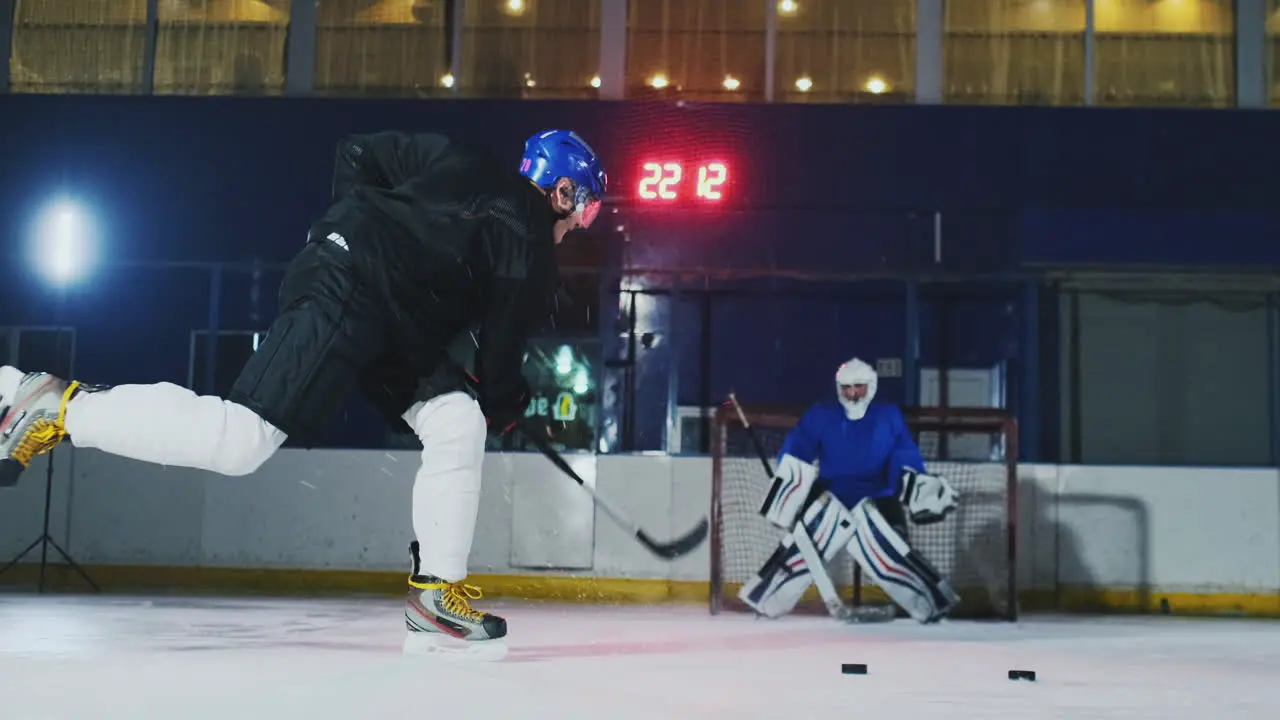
x,y
679,547
862,614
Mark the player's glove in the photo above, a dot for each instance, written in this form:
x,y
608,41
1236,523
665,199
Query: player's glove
x,y
927,498
505,410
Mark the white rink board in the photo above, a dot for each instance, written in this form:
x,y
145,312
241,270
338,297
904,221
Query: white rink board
x,y
1195,530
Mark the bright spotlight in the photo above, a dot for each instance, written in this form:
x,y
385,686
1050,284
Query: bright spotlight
x,y
564,360
63,242
581,382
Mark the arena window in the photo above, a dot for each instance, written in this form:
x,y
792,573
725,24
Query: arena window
x,y
392,48
696,49
1165,53
219,48
1009,52
1273,52
836,51
78,46
531,48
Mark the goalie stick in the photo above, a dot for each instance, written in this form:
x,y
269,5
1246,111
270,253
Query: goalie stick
x,y
670,550
817,570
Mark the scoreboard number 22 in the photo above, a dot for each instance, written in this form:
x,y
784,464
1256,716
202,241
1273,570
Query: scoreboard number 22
x,y
666,181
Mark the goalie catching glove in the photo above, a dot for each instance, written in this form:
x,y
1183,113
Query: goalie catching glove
x,y
927,498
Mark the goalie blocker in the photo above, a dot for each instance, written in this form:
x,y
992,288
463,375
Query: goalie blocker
x,y
827,527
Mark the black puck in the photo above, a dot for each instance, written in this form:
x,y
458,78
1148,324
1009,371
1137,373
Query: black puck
x,y
853,669
1022,675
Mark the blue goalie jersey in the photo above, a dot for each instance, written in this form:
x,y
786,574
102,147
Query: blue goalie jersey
x,y
861,458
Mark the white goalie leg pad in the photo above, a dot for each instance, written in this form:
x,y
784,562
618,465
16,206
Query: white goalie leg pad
x,y
821,578
777,587
792,482
904,576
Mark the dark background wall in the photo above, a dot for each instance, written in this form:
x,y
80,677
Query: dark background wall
x,y
844,230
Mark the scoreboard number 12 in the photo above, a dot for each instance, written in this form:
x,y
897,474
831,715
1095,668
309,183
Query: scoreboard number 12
x,y
665,181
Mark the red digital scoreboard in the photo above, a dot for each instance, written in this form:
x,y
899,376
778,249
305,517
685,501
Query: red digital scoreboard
x,y
672,181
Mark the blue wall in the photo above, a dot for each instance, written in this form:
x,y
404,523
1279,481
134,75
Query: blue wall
x,y
831,189
233,179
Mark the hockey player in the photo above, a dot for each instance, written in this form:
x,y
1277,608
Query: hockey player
x,y
870,469
426,239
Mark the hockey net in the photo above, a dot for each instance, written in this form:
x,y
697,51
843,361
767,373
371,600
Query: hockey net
x,y
974,547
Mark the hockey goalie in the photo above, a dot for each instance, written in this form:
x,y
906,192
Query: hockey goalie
x,y
847,477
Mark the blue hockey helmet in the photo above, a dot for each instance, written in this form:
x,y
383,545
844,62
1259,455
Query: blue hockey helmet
x,y
554,154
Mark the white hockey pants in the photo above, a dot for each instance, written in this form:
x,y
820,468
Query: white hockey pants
x,y
170,425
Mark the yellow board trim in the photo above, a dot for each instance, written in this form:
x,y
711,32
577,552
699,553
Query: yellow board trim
x,y
1153,601
578,589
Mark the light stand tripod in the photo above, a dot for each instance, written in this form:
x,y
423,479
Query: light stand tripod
x,y
45,539
61,231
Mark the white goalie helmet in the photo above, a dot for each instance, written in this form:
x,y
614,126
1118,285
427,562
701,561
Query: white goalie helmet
x,y
855,399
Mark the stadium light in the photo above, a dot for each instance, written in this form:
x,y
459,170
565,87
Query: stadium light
x,y
63,243
581,381
564,360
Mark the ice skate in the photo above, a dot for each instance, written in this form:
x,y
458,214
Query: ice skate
x,y
33,423
440,619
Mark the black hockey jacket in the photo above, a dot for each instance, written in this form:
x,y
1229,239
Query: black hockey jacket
x,y
463,241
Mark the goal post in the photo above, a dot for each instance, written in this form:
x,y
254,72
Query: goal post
x,y
976,449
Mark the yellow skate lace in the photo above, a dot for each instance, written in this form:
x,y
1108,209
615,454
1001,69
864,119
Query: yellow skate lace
x,y
44,434
456,598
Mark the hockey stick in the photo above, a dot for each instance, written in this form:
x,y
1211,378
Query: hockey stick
x,y
751,433
821,578
817,570
671,550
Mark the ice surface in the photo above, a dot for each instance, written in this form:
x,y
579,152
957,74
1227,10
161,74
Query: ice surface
x,y
183,658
